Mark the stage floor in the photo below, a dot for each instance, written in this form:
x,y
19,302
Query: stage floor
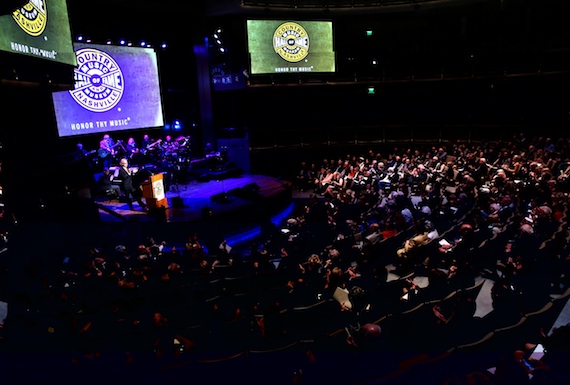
x,y
186,202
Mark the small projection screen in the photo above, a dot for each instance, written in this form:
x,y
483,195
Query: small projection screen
x,y
277,46
40,29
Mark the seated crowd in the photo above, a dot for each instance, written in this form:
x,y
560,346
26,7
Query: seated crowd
x,y
370,220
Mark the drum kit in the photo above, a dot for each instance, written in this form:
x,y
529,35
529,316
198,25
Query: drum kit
x,y
174,158
177,151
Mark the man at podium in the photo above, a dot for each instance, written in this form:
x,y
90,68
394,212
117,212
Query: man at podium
x,y
131,193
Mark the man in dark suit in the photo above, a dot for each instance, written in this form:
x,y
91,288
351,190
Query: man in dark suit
x,y
131,192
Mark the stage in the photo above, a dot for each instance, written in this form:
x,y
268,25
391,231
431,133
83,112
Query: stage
x,y
196,200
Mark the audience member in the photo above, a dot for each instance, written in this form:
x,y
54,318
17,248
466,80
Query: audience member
x,y
362,213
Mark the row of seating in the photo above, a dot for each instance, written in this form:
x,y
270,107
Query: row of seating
x,y
498,337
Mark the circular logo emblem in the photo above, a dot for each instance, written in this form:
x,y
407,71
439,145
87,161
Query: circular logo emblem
x,y
32,17
291,42
158,191
99,82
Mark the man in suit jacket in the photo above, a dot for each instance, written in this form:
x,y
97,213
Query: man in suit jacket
x,y
130,191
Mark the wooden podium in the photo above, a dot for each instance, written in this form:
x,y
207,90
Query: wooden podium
x,y
153,192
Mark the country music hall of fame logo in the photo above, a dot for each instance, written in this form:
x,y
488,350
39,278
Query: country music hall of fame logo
x,y
99,82
32,17
291,42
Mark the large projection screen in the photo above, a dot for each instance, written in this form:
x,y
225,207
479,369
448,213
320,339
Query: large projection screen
x,y
278,46
116,88
40,29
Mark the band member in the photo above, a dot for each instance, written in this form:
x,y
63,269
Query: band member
x,y
145,143
184,141
209,149
150,149
169,145
81,154
131,191
106,151
131,149
105,186
184,146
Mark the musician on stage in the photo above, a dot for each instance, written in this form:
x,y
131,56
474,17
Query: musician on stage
x,y
105,186
184,150
106,151
169,145
132,151
209,149
131,147
184,142
149,148
81,154
145,142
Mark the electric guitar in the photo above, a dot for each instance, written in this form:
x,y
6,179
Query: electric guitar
x,y
150,146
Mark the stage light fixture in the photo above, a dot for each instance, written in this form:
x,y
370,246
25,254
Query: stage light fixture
x,y
79,38
122,42
163,45
109,42
371,90
222,49
143,43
